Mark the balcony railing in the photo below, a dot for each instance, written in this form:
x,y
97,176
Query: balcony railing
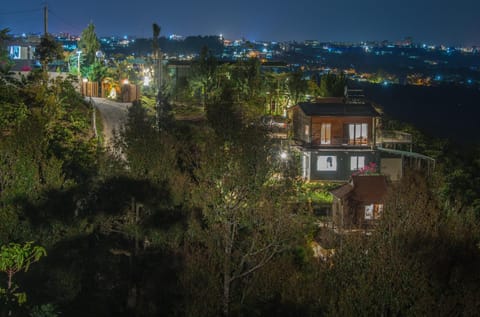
x,y
341,142
394,137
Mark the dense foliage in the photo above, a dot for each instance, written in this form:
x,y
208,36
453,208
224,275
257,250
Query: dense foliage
x,y
202,218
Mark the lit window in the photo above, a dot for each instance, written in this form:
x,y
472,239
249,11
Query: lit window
x,y
357,162
326,133
358,133
307,128
373,211
326,163
369,212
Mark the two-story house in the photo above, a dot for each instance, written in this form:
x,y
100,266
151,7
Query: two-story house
x,y
338,136
335,138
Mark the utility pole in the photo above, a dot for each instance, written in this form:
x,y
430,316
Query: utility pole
x,y
45,19
160,70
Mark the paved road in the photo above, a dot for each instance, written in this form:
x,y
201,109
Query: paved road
x,y
113,115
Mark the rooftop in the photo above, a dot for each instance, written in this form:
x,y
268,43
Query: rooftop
x,y
371,188
338,109
365,188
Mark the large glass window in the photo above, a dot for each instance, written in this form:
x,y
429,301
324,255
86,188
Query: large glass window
x,y
358,133
15,52
326,163
357,162
326,133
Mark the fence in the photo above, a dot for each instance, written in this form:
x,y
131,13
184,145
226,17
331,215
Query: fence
x,y
90,89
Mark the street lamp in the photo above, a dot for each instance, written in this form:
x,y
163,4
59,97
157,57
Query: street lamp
x,y
79,53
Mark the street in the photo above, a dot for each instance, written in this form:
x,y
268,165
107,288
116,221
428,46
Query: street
x,y
113,115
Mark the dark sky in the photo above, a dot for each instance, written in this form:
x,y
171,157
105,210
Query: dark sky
x,y
431,21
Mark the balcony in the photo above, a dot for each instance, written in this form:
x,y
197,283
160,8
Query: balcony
x,y
337,141
394,137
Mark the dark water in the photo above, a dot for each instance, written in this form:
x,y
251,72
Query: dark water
x,y
445,112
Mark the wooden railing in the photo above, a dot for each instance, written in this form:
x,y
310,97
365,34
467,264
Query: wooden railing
x,y
394,137
341,142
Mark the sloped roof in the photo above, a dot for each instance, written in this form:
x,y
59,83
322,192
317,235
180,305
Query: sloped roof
x,y
369,188
338,109
366,188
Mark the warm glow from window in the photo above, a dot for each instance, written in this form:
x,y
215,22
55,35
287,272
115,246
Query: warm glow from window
x,y
326,133
357,162
327,163
373,211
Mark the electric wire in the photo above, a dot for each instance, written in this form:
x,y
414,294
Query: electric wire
x,y
20,11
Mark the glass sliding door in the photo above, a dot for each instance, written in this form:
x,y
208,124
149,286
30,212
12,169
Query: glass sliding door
x,y
358,133
326,133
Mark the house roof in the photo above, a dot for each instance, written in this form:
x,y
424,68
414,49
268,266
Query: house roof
x,y
338,109
366,188
369,188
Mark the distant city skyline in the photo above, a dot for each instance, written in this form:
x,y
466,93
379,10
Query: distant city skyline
x,y
426,21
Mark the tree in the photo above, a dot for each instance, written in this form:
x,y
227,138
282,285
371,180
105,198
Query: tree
x,y
5,62
96,72
48,50
313,88
332,85
165,118
12,108
89,43
244,223
277,91
156,56
205,74
297,86
15,258
417,262
247,82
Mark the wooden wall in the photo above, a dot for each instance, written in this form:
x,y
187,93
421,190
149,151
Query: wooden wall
x,y
90,89
338,131
130,93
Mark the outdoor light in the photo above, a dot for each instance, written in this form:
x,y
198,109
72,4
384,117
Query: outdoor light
x,y
146,81
283,155
85,80
125,81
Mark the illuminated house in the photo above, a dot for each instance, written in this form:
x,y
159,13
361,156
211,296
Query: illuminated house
x,y
335,138
360,203
338,136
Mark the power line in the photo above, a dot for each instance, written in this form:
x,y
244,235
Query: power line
x,y
20,11
63,21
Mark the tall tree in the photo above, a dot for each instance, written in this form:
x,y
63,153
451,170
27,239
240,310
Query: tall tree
x,y
48,50
205,74
297,86
4,60
15,258
245,219
89,43
332,85
156,56
277,91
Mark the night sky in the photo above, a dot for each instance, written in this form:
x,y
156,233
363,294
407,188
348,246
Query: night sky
x,y
449,22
